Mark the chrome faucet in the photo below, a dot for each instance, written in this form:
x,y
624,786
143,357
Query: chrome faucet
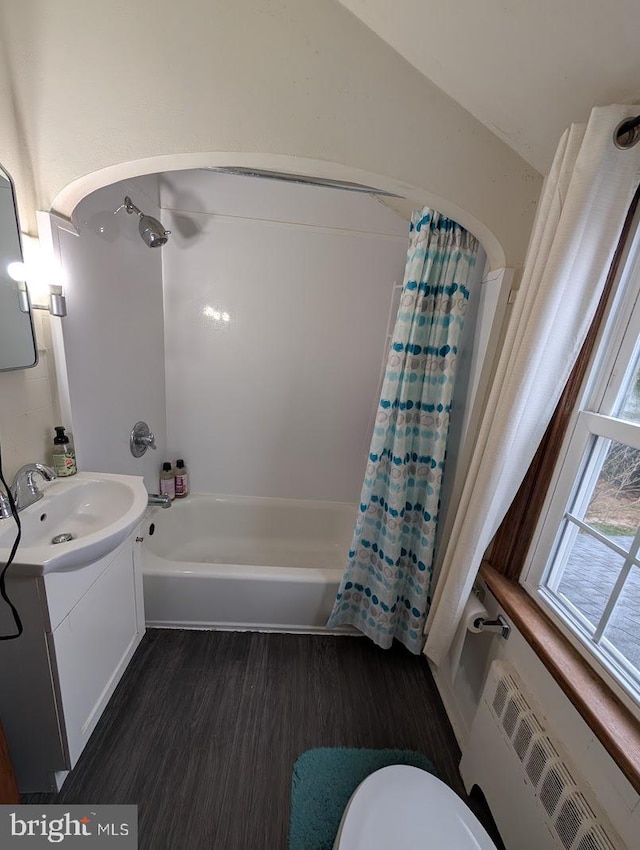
x,y
24,488
159,500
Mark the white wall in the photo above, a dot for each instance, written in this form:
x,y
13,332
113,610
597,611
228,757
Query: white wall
x,y
113,333
526,70
278,401
89,86
595,766
29,406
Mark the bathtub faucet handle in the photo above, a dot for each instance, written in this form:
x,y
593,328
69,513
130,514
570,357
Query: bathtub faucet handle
x,y
141,439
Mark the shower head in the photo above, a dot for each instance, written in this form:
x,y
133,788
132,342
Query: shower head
x,y
151,230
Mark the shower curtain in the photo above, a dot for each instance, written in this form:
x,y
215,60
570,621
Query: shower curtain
x,y
385,591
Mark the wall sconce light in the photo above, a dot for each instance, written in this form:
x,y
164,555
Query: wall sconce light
x,y
35,280
57,301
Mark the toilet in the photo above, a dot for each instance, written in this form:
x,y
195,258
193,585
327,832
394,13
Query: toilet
x,y
404,808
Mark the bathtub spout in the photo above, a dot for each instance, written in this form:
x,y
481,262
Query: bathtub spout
x,y
155,499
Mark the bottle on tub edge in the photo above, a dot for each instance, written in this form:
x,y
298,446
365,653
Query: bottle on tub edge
x,y
64,457
167,481
182,479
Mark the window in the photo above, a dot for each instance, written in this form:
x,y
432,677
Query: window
x,y
584,566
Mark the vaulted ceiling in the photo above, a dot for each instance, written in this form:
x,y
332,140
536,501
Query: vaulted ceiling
x,y
525,68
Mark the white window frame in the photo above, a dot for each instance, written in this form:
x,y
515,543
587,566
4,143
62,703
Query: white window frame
x,y
609,373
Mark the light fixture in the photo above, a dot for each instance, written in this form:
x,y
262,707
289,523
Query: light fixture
x,y
40,282
57,301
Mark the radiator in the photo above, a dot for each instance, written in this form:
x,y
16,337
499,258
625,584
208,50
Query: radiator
x,y
537,798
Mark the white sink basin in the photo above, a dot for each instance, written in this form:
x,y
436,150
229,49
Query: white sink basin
x,y
98,509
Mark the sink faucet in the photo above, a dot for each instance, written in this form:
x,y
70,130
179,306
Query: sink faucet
x,y
24,488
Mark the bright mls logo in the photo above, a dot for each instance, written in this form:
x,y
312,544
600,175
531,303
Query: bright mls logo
x,y
69,826
53,829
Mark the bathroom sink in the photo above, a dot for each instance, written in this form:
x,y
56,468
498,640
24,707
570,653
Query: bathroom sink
x,y
97,510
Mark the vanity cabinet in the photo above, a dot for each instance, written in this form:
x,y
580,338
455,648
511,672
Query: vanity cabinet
x,y
8,785
81,629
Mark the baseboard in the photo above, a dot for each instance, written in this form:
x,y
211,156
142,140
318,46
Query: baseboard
x,y
458,723
278,628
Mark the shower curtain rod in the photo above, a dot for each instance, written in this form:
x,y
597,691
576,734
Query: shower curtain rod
x,y
298,178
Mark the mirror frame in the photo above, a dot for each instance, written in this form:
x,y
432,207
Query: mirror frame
x,y
12,186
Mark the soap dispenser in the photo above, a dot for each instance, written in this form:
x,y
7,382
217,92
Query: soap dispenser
x,y
64,456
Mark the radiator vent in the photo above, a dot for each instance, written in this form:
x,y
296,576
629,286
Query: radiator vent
x,y
552,789
573,821
540,755
526,730
500,697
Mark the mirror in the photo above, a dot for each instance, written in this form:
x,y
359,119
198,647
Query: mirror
x,y
17,339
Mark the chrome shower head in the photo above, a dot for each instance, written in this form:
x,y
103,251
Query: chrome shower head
x,y
151,230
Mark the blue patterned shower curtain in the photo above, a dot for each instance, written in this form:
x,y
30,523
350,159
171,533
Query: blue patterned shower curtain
x,y
386,588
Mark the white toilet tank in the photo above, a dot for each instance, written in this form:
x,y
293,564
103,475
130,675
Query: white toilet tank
x,y
404,808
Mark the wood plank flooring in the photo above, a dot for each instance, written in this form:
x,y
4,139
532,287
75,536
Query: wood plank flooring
x,y
203,730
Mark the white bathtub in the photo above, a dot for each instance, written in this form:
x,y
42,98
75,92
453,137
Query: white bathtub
x,y
231,562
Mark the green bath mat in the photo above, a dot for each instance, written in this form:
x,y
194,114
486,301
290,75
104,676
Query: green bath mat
x,y
324,780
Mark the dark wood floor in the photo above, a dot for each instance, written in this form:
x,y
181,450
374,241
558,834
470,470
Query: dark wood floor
x,y
204,728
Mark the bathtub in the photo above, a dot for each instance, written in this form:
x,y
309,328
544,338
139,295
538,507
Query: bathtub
x,y
230,562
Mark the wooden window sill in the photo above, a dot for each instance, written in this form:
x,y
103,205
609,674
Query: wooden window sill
x,y
611,721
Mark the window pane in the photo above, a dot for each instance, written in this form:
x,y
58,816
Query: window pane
x,y
614,508
589,576
630,407
623,629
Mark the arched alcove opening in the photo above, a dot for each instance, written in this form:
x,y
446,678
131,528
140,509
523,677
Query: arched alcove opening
x,y
140,326
410,196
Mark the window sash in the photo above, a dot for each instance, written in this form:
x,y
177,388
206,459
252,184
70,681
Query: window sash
x,y
603,428
611,428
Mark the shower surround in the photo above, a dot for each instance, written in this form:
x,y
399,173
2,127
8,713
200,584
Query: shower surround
x,y
252,344
276,301
277,298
